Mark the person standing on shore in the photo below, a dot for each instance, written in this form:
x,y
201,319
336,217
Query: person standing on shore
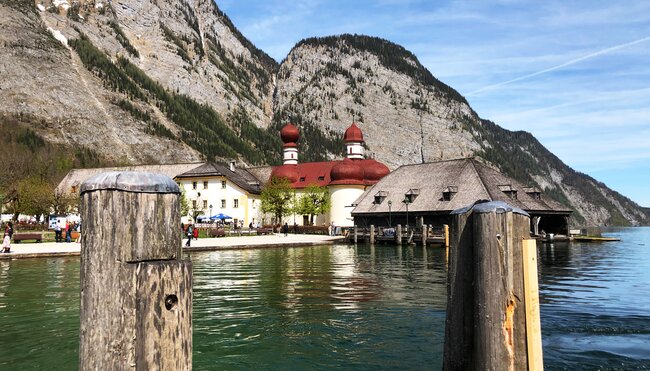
x,y
68,232
190,234
10,229
6,243
285,229
57,232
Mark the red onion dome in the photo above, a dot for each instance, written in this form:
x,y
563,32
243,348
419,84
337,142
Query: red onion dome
x,y
375,170
346,171
353,134
290,172
289,134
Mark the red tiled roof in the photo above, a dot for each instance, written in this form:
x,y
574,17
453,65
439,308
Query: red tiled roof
x,y
319,173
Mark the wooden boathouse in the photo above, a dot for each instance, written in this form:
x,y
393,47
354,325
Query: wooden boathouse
x,y
421,197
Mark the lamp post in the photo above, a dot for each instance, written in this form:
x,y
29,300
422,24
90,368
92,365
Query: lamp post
x,y
210,207
390,219
406,202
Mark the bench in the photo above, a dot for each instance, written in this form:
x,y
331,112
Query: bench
x,y
28,236
216,233
264,231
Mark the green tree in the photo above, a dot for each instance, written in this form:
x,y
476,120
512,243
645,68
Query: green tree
x,y
185,205
35,197
314,201
276,198
64,202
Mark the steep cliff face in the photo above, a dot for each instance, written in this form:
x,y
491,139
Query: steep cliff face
x,y
408,116
189,48
168,81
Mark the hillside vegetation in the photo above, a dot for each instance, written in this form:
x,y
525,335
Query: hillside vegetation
x,y
175,81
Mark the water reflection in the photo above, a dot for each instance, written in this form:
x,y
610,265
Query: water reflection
x,y
320,307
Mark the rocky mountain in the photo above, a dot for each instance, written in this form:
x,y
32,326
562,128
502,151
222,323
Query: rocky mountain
x,y
163,81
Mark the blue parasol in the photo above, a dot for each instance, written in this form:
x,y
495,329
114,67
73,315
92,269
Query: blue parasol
x,y
221,216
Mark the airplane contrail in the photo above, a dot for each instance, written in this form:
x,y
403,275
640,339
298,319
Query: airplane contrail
x,y
573,61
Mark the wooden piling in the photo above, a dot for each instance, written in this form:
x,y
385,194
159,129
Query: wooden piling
x,y
372,234
398,234
356,233
486,309
446,232
136,292
425,234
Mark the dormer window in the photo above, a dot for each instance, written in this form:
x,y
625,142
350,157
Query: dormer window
x,y
411,195
302,178
508,191
322,177
380,197
449,193
533,192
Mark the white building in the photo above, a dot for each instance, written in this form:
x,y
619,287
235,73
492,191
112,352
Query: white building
x,y
212,189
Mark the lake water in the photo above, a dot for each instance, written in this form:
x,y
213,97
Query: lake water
x,y
348,308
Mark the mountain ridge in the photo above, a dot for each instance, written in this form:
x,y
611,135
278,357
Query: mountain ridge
x,y
178,82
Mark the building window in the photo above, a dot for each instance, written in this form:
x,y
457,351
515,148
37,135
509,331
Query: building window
x,y
508,190
322,177
205,204
411,195
193,185
235,204
302,178
194,204
380,196
205,184
223,204
449,193
74,189
223,184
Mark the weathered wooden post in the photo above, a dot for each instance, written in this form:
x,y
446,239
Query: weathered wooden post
x,y
136,292
356,234
425,234
398,234
486,310
372,234
445,228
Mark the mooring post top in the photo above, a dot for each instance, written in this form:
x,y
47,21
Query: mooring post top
x,y
131,181
484,207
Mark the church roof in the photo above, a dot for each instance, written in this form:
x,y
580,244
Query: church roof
x,y
353,134
320,173
444,186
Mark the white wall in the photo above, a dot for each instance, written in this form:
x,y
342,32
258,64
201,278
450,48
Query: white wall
x,y
215,193
342,198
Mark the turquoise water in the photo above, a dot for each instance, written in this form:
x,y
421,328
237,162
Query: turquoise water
x,y
348,308
595,302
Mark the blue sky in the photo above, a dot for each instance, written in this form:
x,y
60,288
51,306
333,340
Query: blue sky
x,y
576,74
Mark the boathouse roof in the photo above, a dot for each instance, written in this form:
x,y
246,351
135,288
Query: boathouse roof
x,y
443,186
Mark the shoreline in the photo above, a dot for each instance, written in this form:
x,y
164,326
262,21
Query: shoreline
x,y
24,250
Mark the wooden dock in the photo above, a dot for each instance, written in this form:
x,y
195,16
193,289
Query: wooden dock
x,y
399,235
594,239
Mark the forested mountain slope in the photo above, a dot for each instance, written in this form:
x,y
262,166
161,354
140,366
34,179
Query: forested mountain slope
x,y
165,81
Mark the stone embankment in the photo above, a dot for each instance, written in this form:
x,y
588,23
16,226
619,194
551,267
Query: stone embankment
x,y
53,249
